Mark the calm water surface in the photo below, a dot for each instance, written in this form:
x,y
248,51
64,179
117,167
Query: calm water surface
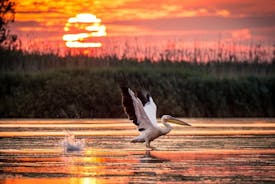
x,y
211,151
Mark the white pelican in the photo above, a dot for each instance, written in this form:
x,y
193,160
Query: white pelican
x,y
141,109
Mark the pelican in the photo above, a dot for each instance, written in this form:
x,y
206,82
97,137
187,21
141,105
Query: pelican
x,y
141,109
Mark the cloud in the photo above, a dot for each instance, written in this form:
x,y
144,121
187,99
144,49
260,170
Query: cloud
x,y
26,23
149,17
223,13
179,8
201,23
243,34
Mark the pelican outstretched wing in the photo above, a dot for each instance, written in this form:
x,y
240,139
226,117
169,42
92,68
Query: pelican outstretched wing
x,y
149,106
135,110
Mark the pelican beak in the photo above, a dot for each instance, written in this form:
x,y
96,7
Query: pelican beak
x,y
177,121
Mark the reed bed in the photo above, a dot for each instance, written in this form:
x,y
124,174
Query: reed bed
x,y
47,85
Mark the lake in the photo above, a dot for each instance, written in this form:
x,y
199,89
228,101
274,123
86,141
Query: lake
x,y
211,151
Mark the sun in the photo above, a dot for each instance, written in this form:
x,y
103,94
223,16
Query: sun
x,y
81,30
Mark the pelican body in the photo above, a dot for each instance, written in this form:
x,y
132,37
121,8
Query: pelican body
x,y
141,109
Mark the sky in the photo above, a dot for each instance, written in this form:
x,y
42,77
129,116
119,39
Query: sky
x,y
185,20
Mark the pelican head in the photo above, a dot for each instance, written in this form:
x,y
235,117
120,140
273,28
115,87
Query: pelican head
x,y
171,119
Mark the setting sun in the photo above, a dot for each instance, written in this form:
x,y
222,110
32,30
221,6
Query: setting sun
x,y
81,29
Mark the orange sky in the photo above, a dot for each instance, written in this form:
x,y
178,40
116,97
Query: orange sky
x,y
205,20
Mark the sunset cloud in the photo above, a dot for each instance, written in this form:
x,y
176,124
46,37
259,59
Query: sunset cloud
x,y
248,18
243,34
201,23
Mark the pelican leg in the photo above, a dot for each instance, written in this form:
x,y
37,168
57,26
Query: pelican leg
x,y
148,144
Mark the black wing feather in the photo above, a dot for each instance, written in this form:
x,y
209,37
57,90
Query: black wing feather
x,y
128,105
144,96
132,103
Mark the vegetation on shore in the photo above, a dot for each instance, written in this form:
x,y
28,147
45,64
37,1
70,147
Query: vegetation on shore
x,y
49,86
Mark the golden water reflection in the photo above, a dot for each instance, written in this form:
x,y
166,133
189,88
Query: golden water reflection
x,y
74,180
37,156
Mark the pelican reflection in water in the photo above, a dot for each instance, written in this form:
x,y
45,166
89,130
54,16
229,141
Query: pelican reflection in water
x,y
141,109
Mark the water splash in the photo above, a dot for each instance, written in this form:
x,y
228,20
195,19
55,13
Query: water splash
x,y
71,144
